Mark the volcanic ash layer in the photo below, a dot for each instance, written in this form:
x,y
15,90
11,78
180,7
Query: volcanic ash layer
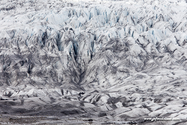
x,y
116,60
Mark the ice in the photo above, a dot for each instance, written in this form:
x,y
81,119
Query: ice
x,y
105,59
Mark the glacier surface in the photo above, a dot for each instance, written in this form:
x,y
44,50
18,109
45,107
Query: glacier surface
x,y
107,60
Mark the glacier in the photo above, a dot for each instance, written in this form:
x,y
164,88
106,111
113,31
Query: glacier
x,y
108,60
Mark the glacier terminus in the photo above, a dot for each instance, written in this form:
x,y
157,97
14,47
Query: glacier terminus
x,y
97,61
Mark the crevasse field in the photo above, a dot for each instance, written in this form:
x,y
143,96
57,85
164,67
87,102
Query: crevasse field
x,y
99,62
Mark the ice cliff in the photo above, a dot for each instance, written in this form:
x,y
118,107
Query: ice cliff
x,y
115,60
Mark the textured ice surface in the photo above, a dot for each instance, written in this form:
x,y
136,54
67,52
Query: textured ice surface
x,y
105,60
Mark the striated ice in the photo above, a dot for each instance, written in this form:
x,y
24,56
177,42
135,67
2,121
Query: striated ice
x,y
105,59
